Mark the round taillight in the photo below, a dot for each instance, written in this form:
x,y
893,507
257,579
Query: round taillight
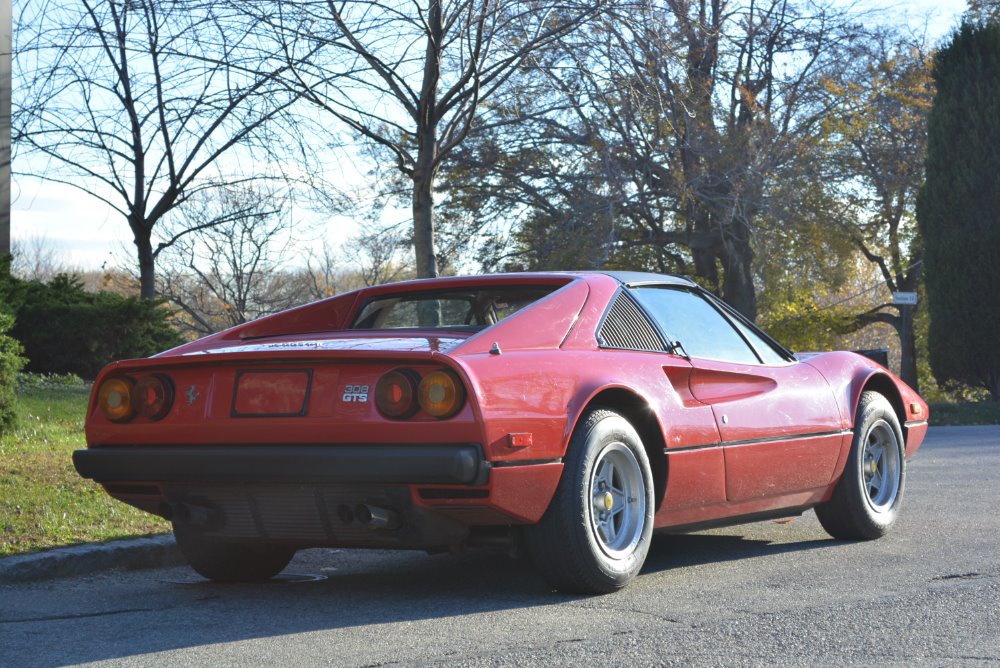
x,y
396,394
114,399
441,394
154,395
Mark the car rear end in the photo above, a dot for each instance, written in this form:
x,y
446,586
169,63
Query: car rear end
x,y
260,445
342,438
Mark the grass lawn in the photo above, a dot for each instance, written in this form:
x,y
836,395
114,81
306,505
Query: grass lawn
x,y
43,502
967,412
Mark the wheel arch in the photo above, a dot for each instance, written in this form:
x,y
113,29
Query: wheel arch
x,y
884,385
640,415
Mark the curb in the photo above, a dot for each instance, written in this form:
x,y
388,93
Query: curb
x,y
157,551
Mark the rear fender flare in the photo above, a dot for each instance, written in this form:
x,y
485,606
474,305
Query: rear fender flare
x,y
640,412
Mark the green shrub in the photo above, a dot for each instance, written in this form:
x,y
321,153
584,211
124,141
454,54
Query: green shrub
x,y
11,363
65,329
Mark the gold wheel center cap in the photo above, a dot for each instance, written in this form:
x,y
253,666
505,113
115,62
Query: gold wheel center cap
x,y
609,501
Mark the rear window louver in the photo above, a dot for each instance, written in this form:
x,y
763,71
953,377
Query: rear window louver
x,y
626,327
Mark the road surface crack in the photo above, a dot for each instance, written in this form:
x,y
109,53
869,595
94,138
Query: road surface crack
x,y
958,576
81,615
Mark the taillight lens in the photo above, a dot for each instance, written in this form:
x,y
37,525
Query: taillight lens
x,y
441,394
396,394
154,395
114,399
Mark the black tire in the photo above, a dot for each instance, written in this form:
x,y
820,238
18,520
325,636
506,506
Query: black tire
x,y
227,561
866,501
594,537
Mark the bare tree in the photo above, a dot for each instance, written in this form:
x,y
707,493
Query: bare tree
x,y
141,104
36,258
378,255
412,77
722,102
366,259
680,124
233,268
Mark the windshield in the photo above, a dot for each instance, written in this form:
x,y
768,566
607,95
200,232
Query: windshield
x,y
469,309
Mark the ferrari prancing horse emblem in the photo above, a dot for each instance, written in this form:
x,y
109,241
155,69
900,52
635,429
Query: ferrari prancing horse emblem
x,y
192,394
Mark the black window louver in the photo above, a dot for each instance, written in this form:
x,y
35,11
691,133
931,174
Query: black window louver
x,y
627,327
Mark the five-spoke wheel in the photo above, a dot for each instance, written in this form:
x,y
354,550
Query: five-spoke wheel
x,y
618,510
881,467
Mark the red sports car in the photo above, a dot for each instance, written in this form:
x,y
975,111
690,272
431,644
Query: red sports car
x,y
573,413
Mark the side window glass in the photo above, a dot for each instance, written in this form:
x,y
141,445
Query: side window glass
x,y
766,350
702,331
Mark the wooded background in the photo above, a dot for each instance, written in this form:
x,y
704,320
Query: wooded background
x,y
774,150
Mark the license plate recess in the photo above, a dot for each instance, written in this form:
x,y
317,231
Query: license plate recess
x,y
271,392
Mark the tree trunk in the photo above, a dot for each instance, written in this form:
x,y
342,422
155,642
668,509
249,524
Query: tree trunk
x,y
147,265
5,90
425,169
703,242
423,224
737,281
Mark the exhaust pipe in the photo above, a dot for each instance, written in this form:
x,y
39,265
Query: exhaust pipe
x,y
189,513
375,517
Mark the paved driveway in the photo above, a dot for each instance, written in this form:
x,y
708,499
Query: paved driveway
x,y
765,593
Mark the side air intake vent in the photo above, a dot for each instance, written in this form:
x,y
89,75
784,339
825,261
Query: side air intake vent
x,y
626,327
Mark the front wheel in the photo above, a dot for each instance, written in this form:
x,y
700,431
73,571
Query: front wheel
x,y
595,534
866,501
228,561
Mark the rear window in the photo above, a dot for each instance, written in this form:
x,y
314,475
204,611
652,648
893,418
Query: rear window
x,y
467,309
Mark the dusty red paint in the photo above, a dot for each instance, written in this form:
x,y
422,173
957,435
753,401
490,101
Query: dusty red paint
x,y
739,439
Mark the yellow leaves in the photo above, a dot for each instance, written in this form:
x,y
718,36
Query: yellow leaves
x,y
803,318
832,86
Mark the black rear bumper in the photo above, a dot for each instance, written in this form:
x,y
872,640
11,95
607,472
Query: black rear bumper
x,y
459,464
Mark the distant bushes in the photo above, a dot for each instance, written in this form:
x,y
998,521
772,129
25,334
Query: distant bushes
x,y
47,382
65,329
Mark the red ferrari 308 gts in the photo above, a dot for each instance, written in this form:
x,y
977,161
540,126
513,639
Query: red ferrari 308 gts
x,y
576,412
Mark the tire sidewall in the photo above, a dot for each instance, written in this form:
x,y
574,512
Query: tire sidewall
x,y
225,561
872,410
606,429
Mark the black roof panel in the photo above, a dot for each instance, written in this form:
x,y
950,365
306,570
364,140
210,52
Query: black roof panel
x,y
634,278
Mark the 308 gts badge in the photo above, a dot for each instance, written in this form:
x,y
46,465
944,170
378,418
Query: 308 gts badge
x,y
355,394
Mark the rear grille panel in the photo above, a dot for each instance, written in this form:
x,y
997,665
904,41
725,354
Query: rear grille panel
x,y
626,327
307,515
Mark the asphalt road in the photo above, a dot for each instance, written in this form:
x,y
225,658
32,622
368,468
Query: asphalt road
x,y
765,593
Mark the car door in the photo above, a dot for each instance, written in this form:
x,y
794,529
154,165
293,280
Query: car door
x,y
780,426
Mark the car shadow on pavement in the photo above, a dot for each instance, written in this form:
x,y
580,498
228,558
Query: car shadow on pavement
x,y
347,592
671,551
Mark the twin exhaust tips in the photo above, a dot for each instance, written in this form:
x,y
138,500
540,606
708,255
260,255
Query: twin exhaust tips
x,y
372,517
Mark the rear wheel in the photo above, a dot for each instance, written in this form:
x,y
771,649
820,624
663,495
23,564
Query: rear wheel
x,y
595,535
866,502
228,561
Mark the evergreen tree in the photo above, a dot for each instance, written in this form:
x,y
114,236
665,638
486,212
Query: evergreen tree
x,y
958,210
